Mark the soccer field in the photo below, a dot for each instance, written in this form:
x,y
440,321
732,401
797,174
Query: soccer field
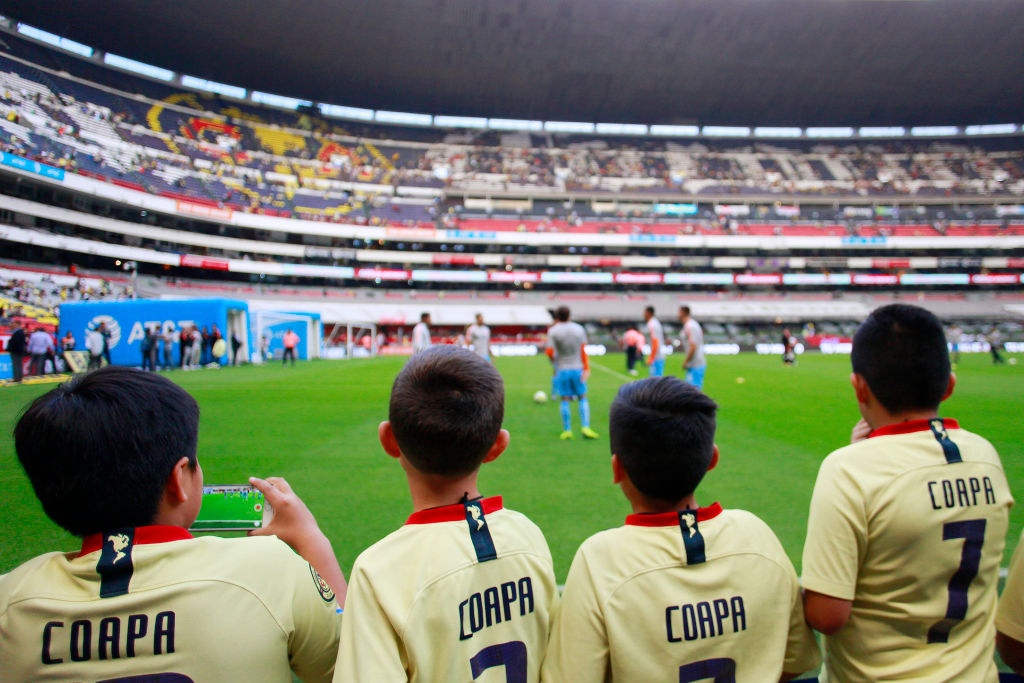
x,y
316,425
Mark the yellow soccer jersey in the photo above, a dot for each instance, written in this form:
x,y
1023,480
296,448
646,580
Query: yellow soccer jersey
x,y
153,601
681,596
460,593
910,525
1010,615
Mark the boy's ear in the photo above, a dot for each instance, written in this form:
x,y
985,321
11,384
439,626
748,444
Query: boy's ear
x,y
176,488
714,458
500,444
387,440
950,386
860,388
618,471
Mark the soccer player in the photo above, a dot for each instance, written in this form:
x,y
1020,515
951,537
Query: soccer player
x,y
466,585
633,341
479,337
907,524
1010,615
112,458
421,334
656,358
566,349
692,338
681,592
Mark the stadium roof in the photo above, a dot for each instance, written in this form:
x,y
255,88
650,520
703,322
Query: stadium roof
x,y
726,62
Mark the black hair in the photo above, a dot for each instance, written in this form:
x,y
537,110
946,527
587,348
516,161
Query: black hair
x,y
562,314
423,317
100,448
650,309
446,409
900,351
663,431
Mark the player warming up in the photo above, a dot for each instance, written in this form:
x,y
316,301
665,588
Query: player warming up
x,y
681,592
112,458
478,336
692,338
656,359
466,585
421,334
565,348
908,522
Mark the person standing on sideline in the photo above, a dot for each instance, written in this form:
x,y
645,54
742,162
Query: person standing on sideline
x,y
953,335
148,348
167,338
692,337
17,346
94,345
421,334
907,523
788,347
633,341
236,344
40,345
291,341
656,358
995,342
105,333
565,348
479,337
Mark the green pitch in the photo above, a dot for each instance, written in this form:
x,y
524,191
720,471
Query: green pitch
x,y
316,425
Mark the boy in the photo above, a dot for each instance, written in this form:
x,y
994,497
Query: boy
x,y
681,592
465,585
908,523
112,458
566,349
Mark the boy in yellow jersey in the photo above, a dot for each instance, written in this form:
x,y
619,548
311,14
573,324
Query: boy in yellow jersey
x,y
1010,615
907,524
112,458
465,589
681,592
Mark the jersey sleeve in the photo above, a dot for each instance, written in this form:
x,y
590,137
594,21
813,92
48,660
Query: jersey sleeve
x,y
578,648
370,649
316,625
1010,615
836,533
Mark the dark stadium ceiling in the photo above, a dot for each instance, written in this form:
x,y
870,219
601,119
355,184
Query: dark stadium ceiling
x,y
729,62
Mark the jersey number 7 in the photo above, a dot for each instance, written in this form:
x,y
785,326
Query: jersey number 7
x,y
511,655
973,533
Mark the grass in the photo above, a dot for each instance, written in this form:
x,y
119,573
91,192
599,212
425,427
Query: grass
x,y
316,425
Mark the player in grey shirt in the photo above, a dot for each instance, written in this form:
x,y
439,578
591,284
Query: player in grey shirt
x,y
572,369
692,338
478,336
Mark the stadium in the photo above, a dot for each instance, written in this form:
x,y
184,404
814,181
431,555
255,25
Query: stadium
x,y
339,171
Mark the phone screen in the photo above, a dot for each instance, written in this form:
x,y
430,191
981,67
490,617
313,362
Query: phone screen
x,y
231,508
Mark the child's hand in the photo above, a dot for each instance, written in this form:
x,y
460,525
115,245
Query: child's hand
x,y
861,431
292,522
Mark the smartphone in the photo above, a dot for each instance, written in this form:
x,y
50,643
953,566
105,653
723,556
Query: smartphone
x,y
232,508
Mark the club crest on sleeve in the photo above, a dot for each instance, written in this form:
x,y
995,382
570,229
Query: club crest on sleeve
x,y
322,588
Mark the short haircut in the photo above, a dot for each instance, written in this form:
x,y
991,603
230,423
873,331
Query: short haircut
x,y
423,317
650,309
100,448
446,409
663,431
685,310
900,351
562,314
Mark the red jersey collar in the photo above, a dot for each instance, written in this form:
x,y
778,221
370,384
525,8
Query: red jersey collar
x,y
672,518
911,426
451,513
143,535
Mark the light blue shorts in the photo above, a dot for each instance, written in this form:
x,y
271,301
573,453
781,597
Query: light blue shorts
x,y
570,384
695,376
656,368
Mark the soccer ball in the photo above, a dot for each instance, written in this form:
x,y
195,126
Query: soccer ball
x,y
540,397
